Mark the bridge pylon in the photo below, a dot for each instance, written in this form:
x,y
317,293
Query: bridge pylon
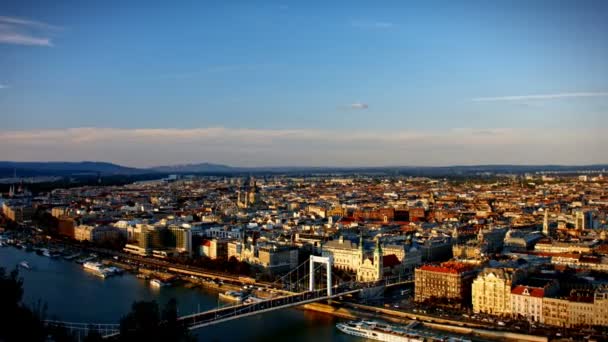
x,y
328,262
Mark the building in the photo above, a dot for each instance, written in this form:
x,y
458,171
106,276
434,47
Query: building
x,y
180,238
95,233
471,249
224,233
580,309
579,220
17,213
551,246
58,212
214,249
372,269
277,259
491,290
527,301
65,227
346,255
272,258
520,241
409,256
436,249
449,283
546,231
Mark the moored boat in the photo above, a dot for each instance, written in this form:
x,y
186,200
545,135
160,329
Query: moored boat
x,y
25,265
157,283
233,296
384,332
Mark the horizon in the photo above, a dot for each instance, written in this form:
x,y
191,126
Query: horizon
x,y
302,166
283,84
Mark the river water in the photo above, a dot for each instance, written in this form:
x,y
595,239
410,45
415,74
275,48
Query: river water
x,y
75,295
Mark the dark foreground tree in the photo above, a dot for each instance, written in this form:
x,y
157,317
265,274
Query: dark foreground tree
x,y
146,322
19,322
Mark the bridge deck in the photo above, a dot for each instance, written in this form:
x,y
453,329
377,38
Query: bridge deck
x,y
203,319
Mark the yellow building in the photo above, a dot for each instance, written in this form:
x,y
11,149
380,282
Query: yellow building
x,y
372,270
491,291
577,310
346,255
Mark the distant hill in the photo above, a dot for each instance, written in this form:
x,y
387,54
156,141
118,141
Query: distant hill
x,y
194,168
29,169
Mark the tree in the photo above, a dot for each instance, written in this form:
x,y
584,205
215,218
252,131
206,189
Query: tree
x,y
93,336
147,322
17,321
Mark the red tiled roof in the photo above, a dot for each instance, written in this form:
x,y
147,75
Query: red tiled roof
x,y
390,260
448,267
533,291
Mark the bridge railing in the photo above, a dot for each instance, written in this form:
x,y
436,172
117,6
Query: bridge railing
x,y
104,329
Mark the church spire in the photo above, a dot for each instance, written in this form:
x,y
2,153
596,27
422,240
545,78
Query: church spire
x,y
546,223
378,249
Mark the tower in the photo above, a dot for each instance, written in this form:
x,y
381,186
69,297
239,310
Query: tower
x,y
480,235
378,262
579,220
546,223
361,249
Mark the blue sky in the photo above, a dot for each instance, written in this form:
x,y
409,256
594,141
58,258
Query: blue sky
x,y
305,83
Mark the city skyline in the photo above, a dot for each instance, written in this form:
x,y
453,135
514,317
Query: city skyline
x,y
289,84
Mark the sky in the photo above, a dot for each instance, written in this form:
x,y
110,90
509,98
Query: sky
x,y
304,83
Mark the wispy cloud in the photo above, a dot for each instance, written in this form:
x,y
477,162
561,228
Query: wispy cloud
x,y
359,105
21,31
3,86
372,24
540,96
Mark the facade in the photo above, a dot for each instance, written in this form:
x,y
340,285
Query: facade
x,y
372,269
491,290
17,213
214,249
549,246
273,258
450,281
577,310
180,237
95,233
409,256
346,255
527,301
436,249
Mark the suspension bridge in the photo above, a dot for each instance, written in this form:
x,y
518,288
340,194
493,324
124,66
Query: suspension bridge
x,y
300,286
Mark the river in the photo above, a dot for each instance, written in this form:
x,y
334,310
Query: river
x,y
75,295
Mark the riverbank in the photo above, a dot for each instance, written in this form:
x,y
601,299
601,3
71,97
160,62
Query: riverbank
x,y
74,295
352,312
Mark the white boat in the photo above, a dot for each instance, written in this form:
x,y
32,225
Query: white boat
x,y
384,332
25,265
157,283
92,266
233,296
252,300
97,268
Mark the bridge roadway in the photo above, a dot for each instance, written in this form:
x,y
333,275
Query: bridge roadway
x,y
203,319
